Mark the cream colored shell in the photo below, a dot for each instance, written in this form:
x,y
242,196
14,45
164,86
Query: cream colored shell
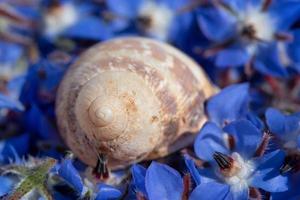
x,y
131,99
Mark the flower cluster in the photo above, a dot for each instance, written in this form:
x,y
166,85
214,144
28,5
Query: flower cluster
x,y
237,155
253,33
248,149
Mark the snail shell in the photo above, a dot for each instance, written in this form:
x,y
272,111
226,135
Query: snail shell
x,y
131,99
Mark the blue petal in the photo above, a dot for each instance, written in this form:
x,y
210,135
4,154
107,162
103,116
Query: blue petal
x,y
246,136
277,183
90,28
275,121
210,191
6,185
36,122
267,176
216,23
209,140
36,84
286,12
285,127
163,182
255,120
270,161
138,174
10,103
68,172
229,105
14,147
209,174
267,61
181,25
232,57
107,192
54,72
192,169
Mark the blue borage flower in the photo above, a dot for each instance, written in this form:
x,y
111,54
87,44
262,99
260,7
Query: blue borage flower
x,y
238,163
159,19
37,92
159,181
70,174
251,32
286,129
42,80
74,21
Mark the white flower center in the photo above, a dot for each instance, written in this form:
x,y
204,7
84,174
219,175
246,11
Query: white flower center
x,y
239,181
160,17
59,18
261,22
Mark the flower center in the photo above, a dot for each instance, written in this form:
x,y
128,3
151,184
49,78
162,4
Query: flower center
x,y
257,25
234,169
58,18
150,19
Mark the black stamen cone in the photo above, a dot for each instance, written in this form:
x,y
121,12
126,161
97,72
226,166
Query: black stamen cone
x,y
285,168
144,22
224,161
101,171
291,164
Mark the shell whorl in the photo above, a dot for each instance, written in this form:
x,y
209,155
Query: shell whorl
x,y
99,111
109,107
131,98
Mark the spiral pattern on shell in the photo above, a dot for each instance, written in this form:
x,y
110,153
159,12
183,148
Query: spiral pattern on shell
x,y
131,99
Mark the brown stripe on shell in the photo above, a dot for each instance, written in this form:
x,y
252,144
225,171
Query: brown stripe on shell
x,y
168,101
195,111
186,78
150,74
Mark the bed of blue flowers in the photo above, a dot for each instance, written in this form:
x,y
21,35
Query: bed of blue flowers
x,y
249,148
